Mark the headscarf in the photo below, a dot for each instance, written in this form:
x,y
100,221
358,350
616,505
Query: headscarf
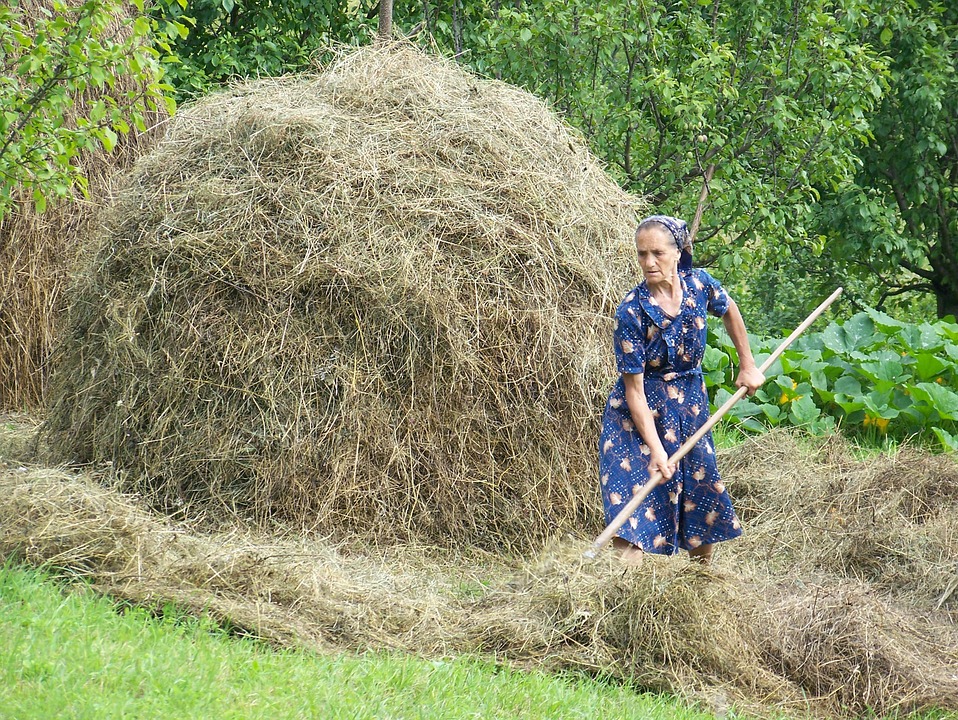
x,y
680,234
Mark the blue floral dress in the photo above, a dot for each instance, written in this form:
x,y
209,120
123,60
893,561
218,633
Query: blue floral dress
x,y
692,508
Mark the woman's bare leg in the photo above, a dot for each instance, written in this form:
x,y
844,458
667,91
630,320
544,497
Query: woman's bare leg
x,y
628,553
702,554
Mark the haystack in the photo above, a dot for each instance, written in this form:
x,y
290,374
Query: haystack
x,y
38,250
371,300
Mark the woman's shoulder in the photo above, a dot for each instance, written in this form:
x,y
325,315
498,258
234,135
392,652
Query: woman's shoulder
x,y
700,278
708,290
632,296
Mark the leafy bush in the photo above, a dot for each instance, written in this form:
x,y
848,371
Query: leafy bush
x,y
872,375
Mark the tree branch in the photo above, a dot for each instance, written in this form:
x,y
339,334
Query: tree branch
x,y
706,179
914,287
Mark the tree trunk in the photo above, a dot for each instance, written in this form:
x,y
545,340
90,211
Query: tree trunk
x,y
943,258
385,33
947,297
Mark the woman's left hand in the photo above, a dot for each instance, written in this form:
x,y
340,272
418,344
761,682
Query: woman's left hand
x,y
751,378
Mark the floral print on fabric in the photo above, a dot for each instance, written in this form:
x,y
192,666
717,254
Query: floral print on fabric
x,y
692,508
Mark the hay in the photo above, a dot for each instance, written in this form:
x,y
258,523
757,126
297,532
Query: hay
x,y
794,635
38,251
811,509
670,625
864,654
18,439
292,593
374,300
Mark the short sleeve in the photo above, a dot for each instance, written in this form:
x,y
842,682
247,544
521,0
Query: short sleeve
x,y
628,340
717,300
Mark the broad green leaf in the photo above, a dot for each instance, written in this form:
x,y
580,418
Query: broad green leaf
x,y
752,425
929,366
882,371
848,385
745,408
886,323
804,410
772,412
785,383
942,399
948,441
819,381
921,337
859,331
833,337
822,425
850,404
715,359
880,405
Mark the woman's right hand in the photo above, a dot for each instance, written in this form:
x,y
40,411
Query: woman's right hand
x,y
659,461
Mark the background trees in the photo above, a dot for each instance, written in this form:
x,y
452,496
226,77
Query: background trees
x,y
53,55
752,107
894,229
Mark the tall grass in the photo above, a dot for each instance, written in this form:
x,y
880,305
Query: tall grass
x,y
70,654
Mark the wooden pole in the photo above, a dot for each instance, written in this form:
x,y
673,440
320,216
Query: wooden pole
x,y
687,446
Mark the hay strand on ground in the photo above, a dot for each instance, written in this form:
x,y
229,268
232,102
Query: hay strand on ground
x,y
795,635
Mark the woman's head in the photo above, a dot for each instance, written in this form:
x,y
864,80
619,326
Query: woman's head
x,y
672,229
658,254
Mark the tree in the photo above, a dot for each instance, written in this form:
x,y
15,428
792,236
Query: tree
x,y
253,38
75,76
895,228
770,98
385,32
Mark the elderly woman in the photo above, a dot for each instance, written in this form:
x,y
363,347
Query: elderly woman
x,y
659,401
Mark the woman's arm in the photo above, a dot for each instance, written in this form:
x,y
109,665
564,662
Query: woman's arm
x,y
645,423
749,376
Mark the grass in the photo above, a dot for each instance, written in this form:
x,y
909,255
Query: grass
x,y
68,653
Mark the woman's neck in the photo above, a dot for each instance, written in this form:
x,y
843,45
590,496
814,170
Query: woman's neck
x,y
667,293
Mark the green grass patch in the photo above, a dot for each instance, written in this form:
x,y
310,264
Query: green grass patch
x,y
68,653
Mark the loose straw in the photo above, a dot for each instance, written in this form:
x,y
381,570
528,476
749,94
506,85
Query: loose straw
x,y
687,446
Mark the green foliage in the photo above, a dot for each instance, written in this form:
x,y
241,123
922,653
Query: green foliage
x,y
775,95
895,228
872,375
75,78
249,38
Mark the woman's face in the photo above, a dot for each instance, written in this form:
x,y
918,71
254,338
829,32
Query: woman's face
x,y
658,256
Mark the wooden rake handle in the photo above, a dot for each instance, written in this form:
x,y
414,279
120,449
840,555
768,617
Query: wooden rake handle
x,y
687,446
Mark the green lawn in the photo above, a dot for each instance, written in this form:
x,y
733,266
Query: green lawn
x,y
70,654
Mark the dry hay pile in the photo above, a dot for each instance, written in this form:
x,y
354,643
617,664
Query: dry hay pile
x,y
812,509
38,251
860,561
373,300
769,629
295,593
